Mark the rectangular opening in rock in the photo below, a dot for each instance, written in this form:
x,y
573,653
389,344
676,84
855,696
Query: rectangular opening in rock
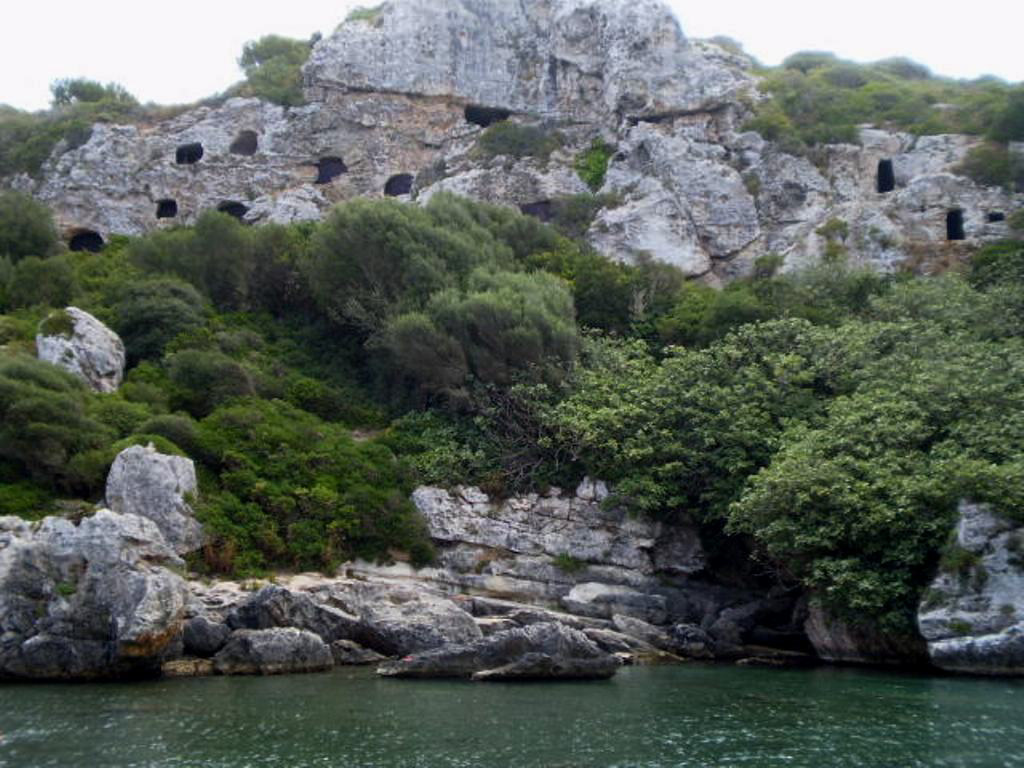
x,y
886,177
955,225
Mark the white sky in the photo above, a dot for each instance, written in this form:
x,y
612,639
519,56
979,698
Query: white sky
x,y
180,51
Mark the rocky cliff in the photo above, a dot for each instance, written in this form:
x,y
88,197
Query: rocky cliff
x,y
397,102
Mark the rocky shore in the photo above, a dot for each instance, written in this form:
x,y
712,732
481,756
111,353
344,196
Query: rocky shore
x,y
559,585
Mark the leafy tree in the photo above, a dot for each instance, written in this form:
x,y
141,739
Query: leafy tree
x,y
69,91
273,69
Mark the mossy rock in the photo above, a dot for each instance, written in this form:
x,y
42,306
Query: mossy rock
x,y
58,323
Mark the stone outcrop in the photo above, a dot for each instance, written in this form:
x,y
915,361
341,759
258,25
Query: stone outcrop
x,y
273,652
536,652
80,344
838,641
972,615
574,559
408,93
99,599
150,484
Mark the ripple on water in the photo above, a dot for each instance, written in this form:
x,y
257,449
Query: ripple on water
x,y
678,717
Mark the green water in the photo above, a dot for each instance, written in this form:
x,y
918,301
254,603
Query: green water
x,y
667,716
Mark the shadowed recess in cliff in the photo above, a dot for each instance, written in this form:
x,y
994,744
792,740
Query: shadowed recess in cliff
x,y
233,208
86,240
246,143
886,176
542,209
166,209
485,116
996,216
399,184
955,225
189,154
330,168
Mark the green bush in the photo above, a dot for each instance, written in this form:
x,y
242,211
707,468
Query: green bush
x,y
26,227
989,164
592,164
511,139
153,313
503,327
299,493
41,282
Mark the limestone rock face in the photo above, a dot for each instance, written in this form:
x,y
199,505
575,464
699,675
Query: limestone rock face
x,y
563,59
407,92
87,601
154,485
273,652
537,652
83,346
973,620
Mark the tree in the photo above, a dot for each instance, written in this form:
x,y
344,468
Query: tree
x,y
153,312
273,69
69,91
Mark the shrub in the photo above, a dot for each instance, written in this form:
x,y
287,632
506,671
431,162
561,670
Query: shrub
x,y
503,327
153,313
299,493
592,164
360,13
202,380
41,282
988,164
26,227
511,139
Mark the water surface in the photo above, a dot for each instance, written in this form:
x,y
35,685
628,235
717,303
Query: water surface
x,y
645,717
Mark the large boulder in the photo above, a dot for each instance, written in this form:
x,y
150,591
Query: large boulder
x,y
79,343
275,606
398,619
537,652
273,652
150,484
972,615
99,599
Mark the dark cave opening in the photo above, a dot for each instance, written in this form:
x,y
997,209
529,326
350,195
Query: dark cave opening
x,y
166,209
245,143
886,176
955,225
542,209
996,216
399,184
86,240
233,208
189,154
330,168
485,116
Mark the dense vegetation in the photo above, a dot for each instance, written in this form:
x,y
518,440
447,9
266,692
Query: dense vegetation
x,y
316,372
819,99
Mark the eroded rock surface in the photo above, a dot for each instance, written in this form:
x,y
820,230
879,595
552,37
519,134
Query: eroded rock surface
x,y
80,344
408,92
536,652
145,482
273,652
99,599
973,617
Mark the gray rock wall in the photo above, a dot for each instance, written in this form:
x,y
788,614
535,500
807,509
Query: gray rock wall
x,y
973,616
